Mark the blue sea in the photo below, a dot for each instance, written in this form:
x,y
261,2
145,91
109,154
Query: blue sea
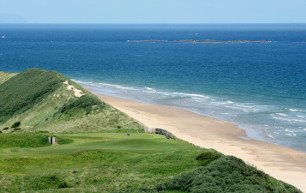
x,y
253,75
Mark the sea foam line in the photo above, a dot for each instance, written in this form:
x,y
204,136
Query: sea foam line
x,y
194,100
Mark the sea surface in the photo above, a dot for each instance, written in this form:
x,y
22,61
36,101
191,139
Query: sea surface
x,y
251,75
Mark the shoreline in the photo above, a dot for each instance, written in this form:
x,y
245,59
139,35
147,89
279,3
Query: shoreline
x,y
283,163
277,123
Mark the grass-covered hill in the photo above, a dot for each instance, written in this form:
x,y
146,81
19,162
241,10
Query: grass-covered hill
x,y
44,100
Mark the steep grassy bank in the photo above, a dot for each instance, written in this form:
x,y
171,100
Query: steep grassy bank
x,y
46,100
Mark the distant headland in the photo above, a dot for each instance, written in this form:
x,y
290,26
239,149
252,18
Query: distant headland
x,y
201,41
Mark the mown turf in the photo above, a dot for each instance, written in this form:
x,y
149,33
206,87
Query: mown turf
x,y
117,162
96,162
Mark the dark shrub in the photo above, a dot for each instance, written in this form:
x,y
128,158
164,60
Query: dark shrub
x,y
226,174
23,140
85,103
208,156
63,141
48,182
17,124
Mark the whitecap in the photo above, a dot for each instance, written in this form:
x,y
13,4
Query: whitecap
x,y
269,135
289,130
190,94
290,134
150,89
289,120
281,114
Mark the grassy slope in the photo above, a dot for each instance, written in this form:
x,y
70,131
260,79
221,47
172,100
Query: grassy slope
x,y
4,76
40,101
116,162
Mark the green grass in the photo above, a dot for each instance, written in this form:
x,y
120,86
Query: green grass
x,y
96,162
23,140
116,162
27,89
42,102
28,140
4,76
226,174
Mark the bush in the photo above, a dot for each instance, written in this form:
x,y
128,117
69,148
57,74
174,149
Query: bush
x,y
84,103
226,174
15,125
28,140
63,141
23,140
208,156
48,182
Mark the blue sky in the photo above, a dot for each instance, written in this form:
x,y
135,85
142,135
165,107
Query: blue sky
x,y
153,11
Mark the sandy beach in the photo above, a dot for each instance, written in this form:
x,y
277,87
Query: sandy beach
x,y
280,162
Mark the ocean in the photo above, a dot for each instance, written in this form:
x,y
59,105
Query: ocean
x,y
253,75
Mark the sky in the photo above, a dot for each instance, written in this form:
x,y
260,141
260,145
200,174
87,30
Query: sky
x,y
152,11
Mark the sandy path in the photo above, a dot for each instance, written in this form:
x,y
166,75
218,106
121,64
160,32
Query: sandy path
x,y
282,163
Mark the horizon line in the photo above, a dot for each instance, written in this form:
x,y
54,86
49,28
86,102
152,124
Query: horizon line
x,y
227,23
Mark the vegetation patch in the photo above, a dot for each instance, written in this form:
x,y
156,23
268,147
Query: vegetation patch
x,y
4,76
16,124
207,156
86,103
9,140
116,162
226,174
47,182
42,101
23,140
27,89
